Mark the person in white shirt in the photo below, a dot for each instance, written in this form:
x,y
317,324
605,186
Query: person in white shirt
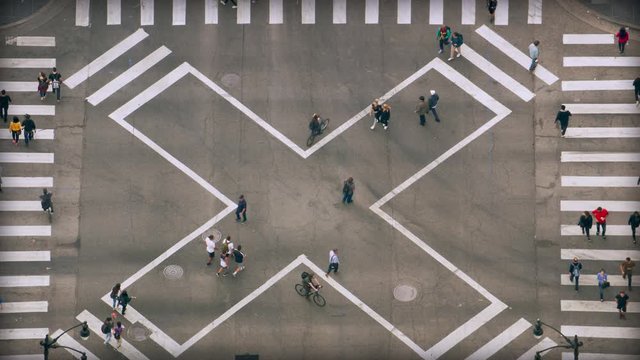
x,y
210,244
334,262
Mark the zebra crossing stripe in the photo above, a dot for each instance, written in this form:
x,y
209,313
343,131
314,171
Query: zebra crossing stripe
x,y
591,280
243,13
26,158
587,39
146,12
436,12
27,182
23,334
469,12
596,306
544,344
179,12
602,132
372,12
599,356
500,341
43,110
24,307
606,61
308,11
211,11
114,10
44,134
82,12
24,281
22,63
15,205
611,205
605,255
593,85
48,41
19,86
599,181
24,256
602,332
67,340
404,12
502,13
534,12
127,350
339,11
587,156
603,108
25,230
276,12
612,230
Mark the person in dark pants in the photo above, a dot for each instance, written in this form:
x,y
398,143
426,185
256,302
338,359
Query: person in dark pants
x,y
626,268
601,220
5,100
334,262
563,119
575,267
29,128
124,299
636,90
634,222
225,2
242,209
443,35
422,110
375,111
585,223
433,103
534,53
621,304
623,38
385,116
347,191
55,79
491,6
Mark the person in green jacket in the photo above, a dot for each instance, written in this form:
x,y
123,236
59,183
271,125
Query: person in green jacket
x,y
443,35
456,43
124,299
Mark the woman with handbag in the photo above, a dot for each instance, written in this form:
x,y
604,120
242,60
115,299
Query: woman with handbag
x,y
602,283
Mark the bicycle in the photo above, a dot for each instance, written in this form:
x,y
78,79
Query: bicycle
x,y
323,125
315,295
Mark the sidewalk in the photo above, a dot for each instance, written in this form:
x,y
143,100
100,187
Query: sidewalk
x,y
624,12
12,11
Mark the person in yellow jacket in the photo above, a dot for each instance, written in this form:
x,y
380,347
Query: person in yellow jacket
x,y
15,129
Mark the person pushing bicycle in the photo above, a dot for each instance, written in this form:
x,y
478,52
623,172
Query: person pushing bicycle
x,y
314,125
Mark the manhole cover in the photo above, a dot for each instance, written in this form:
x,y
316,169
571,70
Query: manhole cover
x,y
230,80
405,293
217,234
173,272
138,332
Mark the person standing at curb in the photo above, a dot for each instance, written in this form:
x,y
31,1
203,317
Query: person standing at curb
x,y
585,223
29,127
375,111
575,267
124,299
242,209
634,222
43,85
562,119
433,103
636,90
210,245
115,293
534,52
626,268
422,110
456,43
334,262
238,257
15,129
621,304
601,220
117,333
603,283
623,37
385,116
347,191
443,35
5,100
106,329
55,79
491,6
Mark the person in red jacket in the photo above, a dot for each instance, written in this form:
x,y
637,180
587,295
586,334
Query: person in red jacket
x,y
601,220
623,37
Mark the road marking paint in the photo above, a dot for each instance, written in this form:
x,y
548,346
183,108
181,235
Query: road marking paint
x,y
372,12
308,11
21,63
596,306
535,12
515,54
48,41
404,12
602,332
24,256
82,12
211,11
114,11
339,11
276,12
179,12
44,134
23,334
26,158
24,281
44,110
599,181
24,307
502,13
243,13
606,61
67,340
27,182
544,344
19,86
611,205
602,132
15,205
592,280
95,324
606,255
489,349
495,73
469,12
146,12
21,357
587,156
593,85
25,230
603,108
436,12
599,356
106,58
612,230
129,75
587,39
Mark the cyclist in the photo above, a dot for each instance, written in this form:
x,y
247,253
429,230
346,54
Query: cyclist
x,y
45,200
314,125
310,283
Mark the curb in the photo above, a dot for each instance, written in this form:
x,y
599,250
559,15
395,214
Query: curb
x,y
595,19
43,10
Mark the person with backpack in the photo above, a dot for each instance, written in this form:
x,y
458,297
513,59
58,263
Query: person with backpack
x,y
238,257
106,329
115,292
124,299
117,333
55,79
29,127
575,267
347,191
456,43
443,35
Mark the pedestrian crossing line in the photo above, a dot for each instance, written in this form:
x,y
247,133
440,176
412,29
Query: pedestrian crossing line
x,y
19,86
489,349
14,205
47,41
599,356
587,156
339,11
534,13
22,63
599,181
593,85
605,255
44,134
436,12
24,256
605,61
587,39
25,230
127,350
146,12
596,306
67,340
23,334
404,12
24,307
603,108
129,75
544,344
496,73
179,13
105,59
602,132
308,11
211,11
43,110
24,281
372,12
515,54
611,205
469,12
114,11
26,158
243,13
612,230
82,12
26,182
21,357
592,280
502,13
602,332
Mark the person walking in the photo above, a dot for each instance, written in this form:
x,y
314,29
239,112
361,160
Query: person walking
x,y
601,220
422,109
443,35
562,119
43,85
0,178
124,299
623,37
334,262
626,268
29,127
117,333
210,245
636,91
534,52
106,328
375,111
634,222
347,191
238,257
433,103
491,6
241,209
5,100
575,267
603,283
15,129
55,79
456,43
227,245
586,222
385,116
224,264
621,304
115,293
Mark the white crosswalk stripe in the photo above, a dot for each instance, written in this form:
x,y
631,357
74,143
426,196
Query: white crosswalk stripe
x,y
603,108
43,134
27,182
308,11
602,332
602,132
612,230
23,334
244,12
372,12
48,41
610,205
605,61
19,86
27,63
82,12
599,181
596,306
13,205
24,256
605,255
211,11
500,341
24,307
544,344
25,230
127,350
24,281
339,11
586,39
589,156
43,110
535,12
114,12
591,280
26,158
179,12
597,85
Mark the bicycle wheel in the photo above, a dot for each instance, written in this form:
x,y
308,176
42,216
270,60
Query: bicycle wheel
x,y
310,140
324,124
318,299
300,290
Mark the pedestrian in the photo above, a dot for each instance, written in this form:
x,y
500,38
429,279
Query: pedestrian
x,y
603,283
106,329
422,110
456,43
585,223
443,35
117,333
124,299
621,304
601,220
55,79
562,119
626,268
385,116
227,245
0,178
210,245
623,37
43,85
636,91
433,103
5,100
224,264
15,129
534,52
634,222
334,262
238,257
241,209
225,2
491,6
29,127
115,293
575,267
375,111
347,191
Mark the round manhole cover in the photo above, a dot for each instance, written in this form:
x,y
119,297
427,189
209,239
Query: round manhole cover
x,y
231,80
405,293
217,234
137,332
173,272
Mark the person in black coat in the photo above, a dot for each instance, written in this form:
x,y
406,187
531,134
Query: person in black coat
x,y
585,223
563,119
634,222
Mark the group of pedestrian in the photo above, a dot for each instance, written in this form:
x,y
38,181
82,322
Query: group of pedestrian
x,y
586,222
228,251
16,128
380,113
110,327
120,298
445,37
